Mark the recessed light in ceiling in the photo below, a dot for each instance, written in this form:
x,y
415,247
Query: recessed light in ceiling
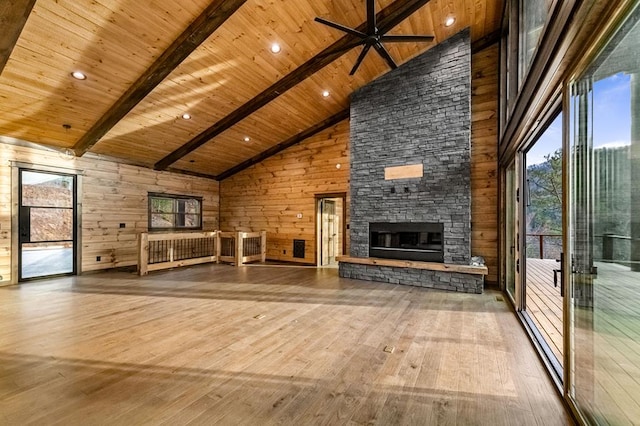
x,y
450,21
186,116
79,75
67,154
275,48
326,94
247,138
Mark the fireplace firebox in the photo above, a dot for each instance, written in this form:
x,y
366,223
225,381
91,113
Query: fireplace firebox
x,y
407,241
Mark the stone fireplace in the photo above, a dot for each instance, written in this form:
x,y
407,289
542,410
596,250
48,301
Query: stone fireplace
x,y
410,166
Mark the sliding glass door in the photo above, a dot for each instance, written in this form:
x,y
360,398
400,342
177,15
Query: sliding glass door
x,y
542,306
510,235
532,244
604,243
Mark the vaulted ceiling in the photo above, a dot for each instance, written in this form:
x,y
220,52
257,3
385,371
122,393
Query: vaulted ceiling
x,y
148,63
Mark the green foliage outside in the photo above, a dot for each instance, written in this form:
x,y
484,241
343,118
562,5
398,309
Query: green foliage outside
x,y
611,197
544,206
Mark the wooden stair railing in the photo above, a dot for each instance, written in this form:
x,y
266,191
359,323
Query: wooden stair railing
x,y
170,250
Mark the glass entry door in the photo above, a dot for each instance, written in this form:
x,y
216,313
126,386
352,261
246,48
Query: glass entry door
x,y
47,224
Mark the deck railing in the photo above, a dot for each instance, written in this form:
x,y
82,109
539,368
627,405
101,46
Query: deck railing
x,y
169,250
614,249
610,248
536,245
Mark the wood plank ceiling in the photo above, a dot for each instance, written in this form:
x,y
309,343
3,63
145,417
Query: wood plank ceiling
x,y
147,65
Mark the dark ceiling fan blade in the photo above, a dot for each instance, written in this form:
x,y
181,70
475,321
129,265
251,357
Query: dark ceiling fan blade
x,y
403,38
341,27
371,17
348,46
385,55
365,49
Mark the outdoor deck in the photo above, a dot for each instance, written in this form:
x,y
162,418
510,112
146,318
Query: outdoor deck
x,y
607,335
544,302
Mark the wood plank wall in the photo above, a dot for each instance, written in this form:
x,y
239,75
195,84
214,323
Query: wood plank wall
x,y
484,159
269,195
112,194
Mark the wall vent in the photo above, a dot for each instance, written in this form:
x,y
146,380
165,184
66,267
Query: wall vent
x,y
298,249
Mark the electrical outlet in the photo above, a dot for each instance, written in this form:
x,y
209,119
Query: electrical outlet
x,y
122,225
284,252
98,258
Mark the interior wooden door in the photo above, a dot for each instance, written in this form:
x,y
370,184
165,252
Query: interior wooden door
x,y
329,232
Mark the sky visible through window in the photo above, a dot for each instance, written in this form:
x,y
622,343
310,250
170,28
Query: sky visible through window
x,y
611,119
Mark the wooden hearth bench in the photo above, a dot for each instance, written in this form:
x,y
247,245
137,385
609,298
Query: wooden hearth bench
x,y
412,264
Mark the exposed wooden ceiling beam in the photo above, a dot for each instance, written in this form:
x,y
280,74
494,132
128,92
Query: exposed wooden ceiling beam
x,y
305,134
486,41
387,18
13,16
190,173
195,34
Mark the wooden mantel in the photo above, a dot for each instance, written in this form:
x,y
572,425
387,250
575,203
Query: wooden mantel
x,y
432,266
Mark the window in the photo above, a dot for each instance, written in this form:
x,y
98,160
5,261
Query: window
x,y
533,16
169,212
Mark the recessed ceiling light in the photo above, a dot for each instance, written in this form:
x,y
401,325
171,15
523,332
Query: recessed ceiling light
x,y
275,48
186,116
450,21
247,138
67,154
78,75
325,94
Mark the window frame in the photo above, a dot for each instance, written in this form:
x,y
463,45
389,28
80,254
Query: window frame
x,y
519,96
175,198
523,64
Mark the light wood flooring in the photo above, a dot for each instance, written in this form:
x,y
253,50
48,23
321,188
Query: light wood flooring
x,y
216,344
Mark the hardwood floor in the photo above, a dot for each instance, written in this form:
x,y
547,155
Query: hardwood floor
x,y
216,344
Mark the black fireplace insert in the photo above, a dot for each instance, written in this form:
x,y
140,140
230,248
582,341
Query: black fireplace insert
x,y
407,241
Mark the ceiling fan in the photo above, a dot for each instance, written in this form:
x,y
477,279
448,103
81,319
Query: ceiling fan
x,y
374,37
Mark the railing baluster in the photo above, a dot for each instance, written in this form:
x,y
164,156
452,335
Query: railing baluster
x,y
541,246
